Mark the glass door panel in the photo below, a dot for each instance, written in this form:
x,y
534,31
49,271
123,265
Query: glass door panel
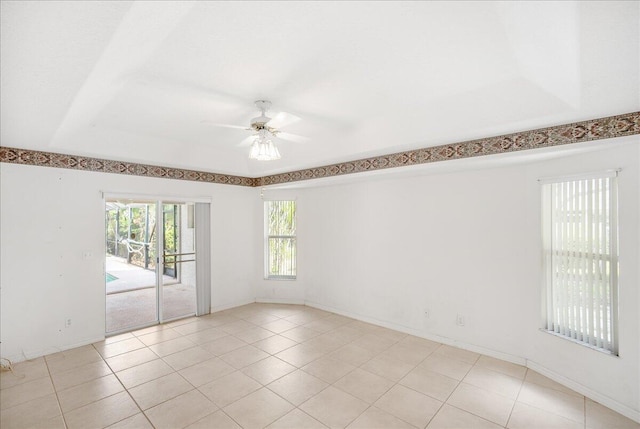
x,y
130,265
178,297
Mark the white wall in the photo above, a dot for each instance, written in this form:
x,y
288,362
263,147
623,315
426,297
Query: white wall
x,y
383,250
469,243
51,218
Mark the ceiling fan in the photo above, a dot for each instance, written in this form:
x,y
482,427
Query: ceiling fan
x,y
265,130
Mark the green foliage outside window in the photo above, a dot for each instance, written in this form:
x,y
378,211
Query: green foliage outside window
x,y
281,239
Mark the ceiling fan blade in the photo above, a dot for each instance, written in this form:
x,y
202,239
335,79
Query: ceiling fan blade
x,y
247,141
283,119
292,137
213,124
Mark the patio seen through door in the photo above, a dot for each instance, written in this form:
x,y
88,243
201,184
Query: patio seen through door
x,y
150,268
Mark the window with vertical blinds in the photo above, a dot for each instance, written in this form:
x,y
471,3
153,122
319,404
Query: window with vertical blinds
x,y
581,261
280,226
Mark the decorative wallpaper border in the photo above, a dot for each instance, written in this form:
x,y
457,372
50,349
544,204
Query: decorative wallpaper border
x,y
58,160
596,129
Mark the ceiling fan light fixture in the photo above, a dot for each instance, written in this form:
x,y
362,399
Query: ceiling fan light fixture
x,y
263,148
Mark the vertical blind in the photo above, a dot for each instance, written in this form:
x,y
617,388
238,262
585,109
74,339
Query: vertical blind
x,y
281,239
202,213
581,259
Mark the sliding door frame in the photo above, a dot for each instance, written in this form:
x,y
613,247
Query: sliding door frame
x,y
159,201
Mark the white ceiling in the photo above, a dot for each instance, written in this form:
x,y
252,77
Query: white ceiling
x,y
135,80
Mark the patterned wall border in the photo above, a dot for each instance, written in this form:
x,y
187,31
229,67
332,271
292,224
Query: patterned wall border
x,y
49,159
596,129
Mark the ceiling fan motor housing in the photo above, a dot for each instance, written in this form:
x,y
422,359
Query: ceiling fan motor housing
x,y
260,122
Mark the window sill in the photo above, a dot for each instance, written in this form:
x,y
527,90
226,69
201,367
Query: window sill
x,y
588,346
285,278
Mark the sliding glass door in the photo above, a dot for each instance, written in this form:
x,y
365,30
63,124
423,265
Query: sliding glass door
x,y
150,263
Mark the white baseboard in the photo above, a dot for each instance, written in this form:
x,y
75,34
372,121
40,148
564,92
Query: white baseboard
x,y
418,333
589,393
280,301
34,354
216,308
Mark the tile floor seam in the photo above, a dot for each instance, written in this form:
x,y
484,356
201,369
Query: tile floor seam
x,y
358,416
517,396
96,400
310,416
325,347
133,366
475,415
442,404
379,396
144,412
146,381
400,418
426,394
584,398
161,402
130,397
452,392
226,414
495,392
294,405
236,400
64,419
446,401
128,417
471,412
48,377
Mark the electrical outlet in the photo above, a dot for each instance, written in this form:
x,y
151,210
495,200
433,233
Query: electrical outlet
x,y
67,323
426,313
460,320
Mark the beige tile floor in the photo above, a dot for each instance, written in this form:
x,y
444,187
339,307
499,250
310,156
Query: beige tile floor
x,y
285,366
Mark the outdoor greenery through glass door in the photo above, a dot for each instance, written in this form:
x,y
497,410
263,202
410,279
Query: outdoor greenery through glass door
x,y
170,216
131,233
131,237
130,267
179,299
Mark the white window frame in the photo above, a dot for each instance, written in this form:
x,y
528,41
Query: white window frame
x,y
267,237
577,319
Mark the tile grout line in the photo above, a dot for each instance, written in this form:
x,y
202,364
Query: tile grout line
x,y
396,383
194,388
55,391
124,387
327,351
452,391
298,368
297,407
517,396
472,413
265,386
235,370
129,393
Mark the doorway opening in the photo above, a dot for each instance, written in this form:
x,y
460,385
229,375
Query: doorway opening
x,y
150,266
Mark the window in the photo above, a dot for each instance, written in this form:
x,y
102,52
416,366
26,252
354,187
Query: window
x,y
280,227
581,262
